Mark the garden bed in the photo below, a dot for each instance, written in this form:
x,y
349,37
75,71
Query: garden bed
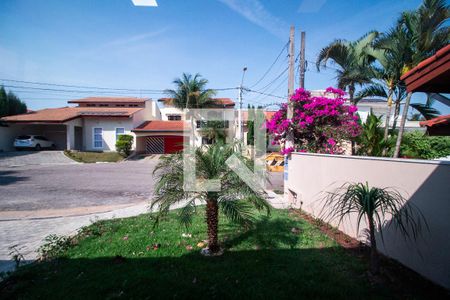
x,y
283,256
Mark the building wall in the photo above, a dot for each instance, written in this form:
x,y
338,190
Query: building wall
x,y
423,183
108,126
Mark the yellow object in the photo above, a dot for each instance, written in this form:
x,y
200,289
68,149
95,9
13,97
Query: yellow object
x,y
275,162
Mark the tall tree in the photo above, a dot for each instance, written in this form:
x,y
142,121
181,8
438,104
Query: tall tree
x,y
10,104
427,32
191,92
353,60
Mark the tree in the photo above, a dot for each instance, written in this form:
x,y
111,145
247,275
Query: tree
x,y
319,124
374,205
353,59
215,131
191,92
427,33
10,104
235,199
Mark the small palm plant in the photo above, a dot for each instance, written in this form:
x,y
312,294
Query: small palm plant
x,y
235,199
375,205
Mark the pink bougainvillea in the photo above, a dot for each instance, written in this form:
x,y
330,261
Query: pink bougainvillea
x,y
319,124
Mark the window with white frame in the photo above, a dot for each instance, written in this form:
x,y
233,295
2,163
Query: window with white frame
x,y
119,131
98,137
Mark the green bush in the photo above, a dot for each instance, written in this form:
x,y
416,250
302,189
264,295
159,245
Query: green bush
x,y
371,142
124,144
416,144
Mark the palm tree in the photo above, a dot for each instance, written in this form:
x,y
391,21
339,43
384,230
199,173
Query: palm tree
x,y
191,92
375,205
427,32
215,131
235,199
353,59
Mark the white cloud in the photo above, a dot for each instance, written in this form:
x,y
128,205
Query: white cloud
x,y
136,38
145,3
256,13
311,6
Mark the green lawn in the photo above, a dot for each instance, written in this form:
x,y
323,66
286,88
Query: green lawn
x,y
93,157
115,259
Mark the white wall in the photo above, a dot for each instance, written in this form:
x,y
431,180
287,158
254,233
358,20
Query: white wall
x,y
425,184
7,136
109,126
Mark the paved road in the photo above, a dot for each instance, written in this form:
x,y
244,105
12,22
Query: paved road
x,y
27,158
75,185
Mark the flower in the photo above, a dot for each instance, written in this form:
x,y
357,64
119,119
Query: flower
x,y
331,141
287,151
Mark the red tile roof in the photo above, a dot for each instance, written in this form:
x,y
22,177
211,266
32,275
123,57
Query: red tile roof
x,y
110,100
218,101
158,125
431,74
59,115
436,121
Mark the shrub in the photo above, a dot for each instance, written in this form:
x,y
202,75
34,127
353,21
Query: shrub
x,y
124,144
319,124
416,144
371,141
54,246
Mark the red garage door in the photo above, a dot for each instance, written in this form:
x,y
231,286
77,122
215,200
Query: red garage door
x,y
173,144
163,144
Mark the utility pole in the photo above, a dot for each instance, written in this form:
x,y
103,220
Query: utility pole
x,y
240,134
290,113
302,61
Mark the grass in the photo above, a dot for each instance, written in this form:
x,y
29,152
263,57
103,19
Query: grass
x,y
93,157
115,259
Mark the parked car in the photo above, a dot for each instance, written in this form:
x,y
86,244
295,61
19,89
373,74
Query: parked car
x,y
36,142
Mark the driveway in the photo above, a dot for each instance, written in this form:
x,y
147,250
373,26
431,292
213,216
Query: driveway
x,y
26,158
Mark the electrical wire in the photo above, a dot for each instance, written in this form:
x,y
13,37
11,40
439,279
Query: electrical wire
x,y
271,66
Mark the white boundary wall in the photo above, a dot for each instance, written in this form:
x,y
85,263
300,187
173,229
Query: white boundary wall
x,y
424,183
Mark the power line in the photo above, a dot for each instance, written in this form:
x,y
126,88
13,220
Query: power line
x,y
271,66
274,80
252,91
77,86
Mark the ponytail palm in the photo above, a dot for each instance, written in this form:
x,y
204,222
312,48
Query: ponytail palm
x,y
235,199
374,205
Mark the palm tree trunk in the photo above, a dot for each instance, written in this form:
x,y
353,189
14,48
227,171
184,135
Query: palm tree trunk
x,y
212,221
396,113
374,258
351,93
388,118
402,125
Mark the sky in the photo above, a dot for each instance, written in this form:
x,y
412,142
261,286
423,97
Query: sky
x,y
113,43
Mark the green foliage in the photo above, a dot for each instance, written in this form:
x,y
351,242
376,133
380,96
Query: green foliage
x,y
191,92
54,246
416,144
371,141
375,205
10,104
124,144
210,164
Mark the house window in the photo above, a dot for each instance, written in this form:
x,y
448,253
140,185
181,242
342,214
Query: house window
x,y
90,105
103,105
174,117
119,131
207,141
98,137
120,105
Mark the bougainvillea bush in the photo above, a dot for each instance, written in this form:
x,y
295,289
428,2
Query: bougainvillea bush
x,y
319,124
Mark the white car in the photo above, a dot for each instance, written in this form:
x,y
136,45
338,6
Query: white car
x,y
36,142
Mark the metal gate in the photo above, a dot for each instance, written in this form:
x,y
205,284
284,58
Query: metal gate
x,y
154,145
